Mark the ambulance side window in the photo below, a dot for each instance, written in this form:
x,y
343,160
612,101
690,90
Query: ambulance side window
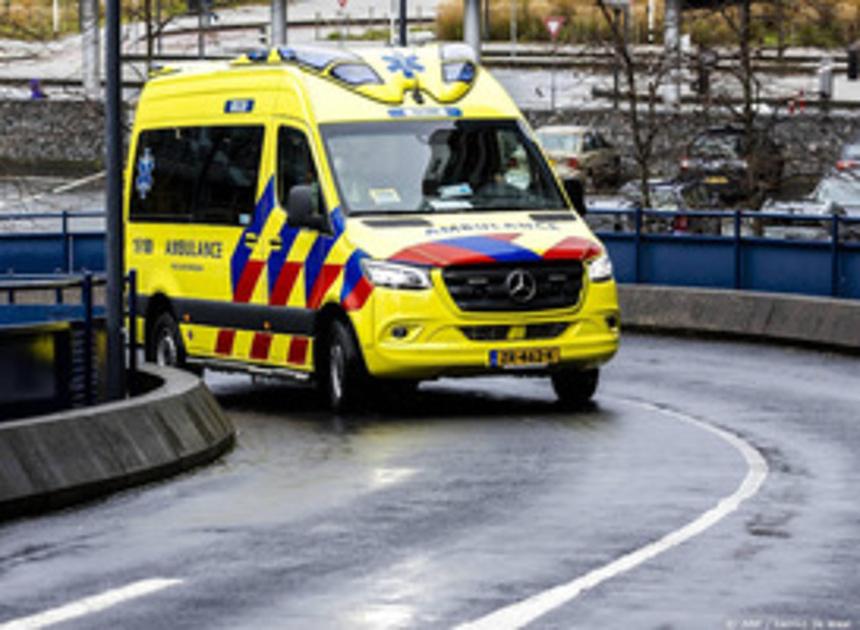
x,y
196,174
164,176
295,165
227,184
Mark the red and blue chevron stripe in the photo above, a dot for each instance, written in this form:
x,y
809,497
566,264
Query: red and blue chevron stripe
x,y
244,272
241,274
492,248
282,277
356,288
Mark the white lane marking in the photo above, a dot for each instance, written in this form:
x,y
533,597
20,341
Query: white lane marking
x,y
89,605
524,612
83,181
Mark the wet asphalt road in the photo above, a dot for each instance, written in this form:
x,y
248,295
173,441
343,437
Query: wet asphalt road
x,y
481,493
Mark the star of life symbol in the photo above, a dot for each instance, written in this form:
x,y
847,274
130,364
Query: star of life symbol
x,y
408,65
145,168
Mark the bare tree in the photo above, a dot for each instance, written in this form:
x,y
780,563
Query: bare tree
x,y
738,17
742,104
641,91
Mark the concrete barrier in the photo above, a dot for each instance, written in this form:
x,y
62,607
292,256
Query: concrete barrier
x,y
804,320
54,460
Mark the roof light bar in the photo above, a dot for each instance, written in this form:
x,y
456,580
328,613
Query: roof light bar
x,y
259,55
462,71
457,51
356,74
316,58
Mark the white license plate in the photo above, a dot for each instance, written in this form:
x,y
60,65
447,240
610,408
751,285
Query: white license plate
x,y
524,357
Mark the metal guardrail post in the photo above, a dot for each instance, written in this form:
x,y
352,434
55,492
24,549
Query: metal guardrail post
x,y
132,327
834,256
637,241
736,233
64,229
64,219
87,301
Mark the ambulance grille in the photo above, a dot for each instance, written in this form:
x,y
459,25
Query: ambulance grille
x,y
488,288
500,333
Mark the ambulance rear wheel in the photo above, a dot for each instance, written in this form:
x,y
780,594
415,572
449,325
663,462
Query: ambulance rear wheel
x,y
575,388
165,347
345,376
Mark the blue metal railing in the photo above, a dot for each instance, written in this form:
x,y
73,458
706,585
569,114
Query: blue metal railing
x,y
738,254
59,249
734,251
51,358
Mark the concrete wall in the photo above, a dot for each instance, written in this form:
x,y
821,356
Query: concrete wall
x,y
47,136
51,136
761,316
51,461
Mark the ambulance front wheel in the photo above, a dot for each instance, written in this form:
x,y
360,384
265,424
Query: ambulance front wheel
x,y
575,388
345,378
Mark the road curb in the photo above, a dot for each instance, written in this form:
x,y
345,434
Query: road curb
x,y
52,461
824,322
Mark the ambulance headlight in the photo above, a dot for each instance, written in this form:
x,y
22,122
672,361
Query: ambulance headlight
x,y
600,269
395,275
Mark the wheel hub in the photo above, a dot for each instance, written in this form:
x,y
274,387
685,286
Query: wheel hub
x,y
336,369
166,352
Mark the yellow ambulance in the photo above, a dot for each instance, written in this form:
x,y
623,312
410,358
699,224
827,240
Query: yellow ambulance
x,y
357,218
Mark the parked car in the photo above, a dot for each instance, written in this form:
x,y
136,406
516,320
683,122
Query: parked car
x,y
849,157
581,154
836,194
733,165
683,198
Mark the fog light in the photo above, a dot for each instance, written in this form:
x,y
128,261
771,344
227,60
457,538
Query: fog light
x,y
399,332
612,322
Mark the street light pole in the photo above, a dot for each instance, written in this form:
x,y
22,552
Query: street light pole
x,y
402,38
514,27
672,44
279,22
472,25
114,241
90,41
651,9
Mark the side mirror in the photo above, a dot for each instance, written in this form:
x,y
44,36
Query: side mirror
x,y
303,209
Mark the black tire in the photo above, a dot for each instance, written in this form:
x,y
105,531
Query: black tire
x,y
164,346
344,378
575,388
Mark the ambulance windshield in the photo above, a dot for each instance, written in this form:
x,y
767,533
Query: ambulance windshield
x,y
438,166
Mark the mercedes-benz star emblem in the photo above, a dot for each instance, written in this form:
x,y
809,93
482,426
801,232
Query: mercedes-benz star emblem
x,y
522,286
